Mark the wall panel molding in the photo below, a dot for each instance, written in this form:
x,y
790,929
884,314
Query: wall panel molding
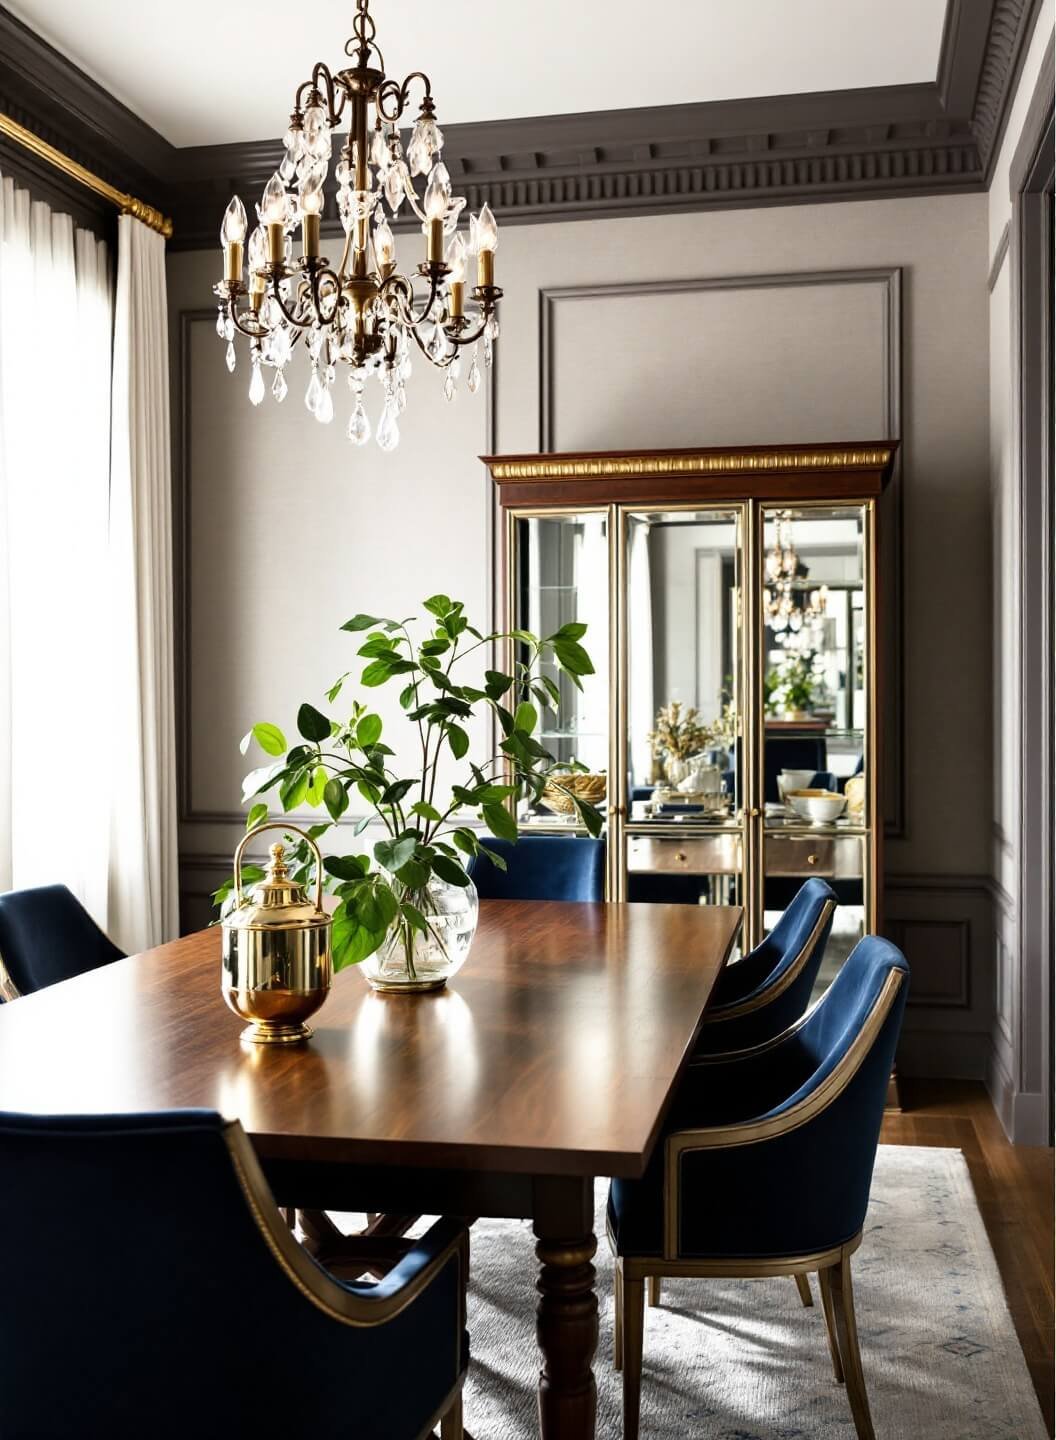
x,y
889,282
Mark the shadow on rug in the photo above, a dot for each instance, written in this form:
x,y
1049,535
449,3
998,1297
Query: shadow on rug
x,y
742,1360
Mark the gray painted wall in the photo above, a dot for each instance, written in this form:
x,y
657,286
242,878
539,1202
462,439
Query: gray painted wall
x,y
290,526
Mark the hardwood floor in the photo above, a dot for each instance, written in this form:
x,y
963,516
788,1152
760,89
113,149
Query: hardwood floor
x,y
1014,1189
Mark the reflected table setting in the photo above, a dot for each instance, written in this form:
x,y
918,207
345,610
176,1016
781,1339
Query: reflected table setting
x,y
551,1059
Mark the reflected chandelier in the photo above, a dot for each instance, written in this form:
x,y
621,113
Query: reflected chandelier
x,y
364,314
788,608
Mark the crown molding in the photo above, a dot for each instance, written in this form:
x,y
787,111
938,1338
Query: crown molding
x,y
931,138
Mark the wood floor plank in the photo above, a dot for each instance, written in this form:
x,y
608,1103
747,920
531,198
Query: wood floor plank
x,y
1014,1189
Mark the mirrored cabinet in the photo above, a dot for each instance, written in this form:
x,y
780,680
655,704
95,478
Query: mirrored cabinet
x,y
731,723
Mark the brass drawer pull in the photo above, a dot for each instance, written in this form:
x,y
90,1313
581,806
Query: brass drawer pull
x,y
680,856
812,859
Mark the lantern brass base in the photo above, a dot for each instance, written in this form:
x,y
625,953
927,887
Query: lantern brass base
x,y
270,1033
407,987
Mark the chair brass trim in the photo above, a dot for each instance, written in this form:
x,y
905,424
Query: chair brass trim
x,y
748,1052
746,1007
642,1267
8,989
360,1311
127,204
734,462
752,1132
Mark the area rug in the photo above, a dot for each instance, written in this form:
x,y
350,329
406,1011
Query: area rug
x,y
743,1360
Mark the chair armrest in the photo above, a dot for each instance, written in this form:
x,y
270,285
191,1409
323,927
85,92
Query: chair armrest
x,y
418,1266
768,989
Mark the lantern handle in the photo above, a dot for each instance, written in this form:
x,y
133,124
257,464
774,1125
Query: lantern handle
x,y
292,829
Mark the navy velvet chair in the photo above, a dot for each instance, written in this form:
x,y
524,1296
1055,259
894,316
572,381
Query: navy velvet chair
x,y
542,867
756,998
47,935
765,1167
195,1311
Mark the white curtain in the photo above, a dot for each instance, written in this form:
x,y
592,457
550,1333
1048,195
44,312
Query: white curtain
x,y
143,887
87,754
55,345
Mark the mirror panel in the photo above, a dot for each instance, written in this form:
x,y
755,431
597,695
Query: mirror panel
x,y
560,574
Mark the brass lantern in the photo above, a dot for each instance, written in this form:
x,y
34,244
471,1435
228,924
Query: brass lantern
x,y
277,958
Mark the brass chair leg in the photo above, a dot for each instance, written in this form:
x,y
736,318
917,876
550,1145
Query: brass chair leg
x,y
825,1285
633,1326
451,1423
654,1291
803,1286
617,1318
847,1329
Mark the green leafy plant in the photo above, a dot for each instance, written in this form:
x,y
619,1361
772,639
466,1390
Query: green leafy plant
x,y
427,834
792,684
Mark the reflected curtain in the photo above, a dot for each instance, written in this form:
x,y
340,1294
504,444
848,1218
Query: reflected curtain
x,y
591,579
143,886
55,349
641,706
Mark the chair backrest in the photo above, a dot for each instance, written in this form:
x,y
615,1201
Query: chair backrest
x,y
543,867
151,1291
780,972
853,1028
47,935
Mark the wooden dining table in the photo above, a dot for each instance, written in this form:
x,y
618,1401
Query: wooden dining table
x,y
549,1060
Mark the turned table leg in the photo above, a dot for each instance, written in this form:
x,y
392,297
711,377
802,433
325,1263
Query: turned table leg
x,y
567,1310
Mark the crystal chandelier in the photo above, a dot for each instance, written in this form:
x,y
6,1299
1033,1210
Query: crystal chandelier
x,y
364,314
787,608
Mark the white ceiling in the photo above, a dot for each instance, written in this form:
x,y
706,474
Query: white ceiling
x,y
210,71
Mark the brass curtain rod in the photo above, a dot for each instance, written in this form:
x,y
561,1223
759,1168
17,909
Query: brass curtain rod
x,y
127,204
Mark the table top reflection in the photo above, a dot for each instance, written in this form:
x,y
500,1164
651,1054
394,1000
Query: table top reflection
x,y
554,1051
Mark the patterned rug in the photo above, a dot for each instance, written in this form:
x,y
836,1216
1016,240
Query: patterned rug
x,y
742,1360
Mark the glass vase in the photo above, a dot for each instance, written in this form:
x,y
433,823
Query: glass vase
x,y
410,961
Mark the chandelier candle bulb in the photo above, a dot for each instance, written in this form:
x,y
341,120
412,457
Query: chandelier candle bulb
x,y
434,242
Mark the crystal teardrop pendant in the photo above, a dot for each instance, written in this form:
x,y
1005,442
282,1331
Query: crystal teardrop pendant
x,y
359,425
388,430
394,190
436,345
401,397
229,328
312,394
231,357
324,410
221,325
256,385
279,386
473,378
449,385
487,348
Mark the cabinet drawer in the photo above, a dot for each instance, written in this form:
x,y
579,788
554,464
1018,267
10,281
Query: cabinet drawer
x,y
831,857
689,855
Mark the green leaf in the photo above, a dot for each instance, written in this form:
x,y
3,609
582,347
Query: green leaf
x,y
526,717
371,794
500,822
573,630
379,646
335,688
347,867
426,811
407,695
590,816
361,824
499,861
465,839
497,683
368,731
317,786
450,870
394,793
435,647
394,854
362,622
269,737
414,875
260,780
312,724
458,740
256,815
439,605
376,673
573,658
335,798
293,790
